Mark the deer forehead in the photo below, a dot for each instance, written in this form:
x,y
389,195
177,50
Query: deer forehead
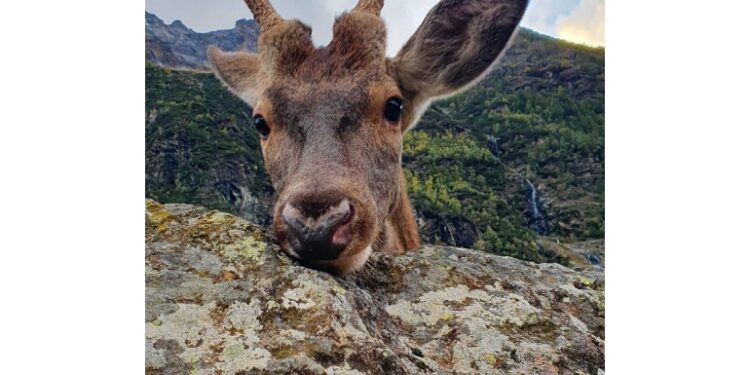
x,y
354,98
358,44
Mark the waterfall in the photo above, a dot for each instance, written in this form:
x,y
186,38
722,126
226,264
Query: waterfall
x,y
492,144
449,231
533,206
537,221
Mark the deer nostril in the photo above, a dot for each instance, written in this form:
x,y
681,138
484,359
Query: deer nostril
x,y
318,234
342,233
293,217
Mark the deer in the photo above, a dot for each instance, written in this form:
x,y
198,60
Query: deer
x,y
331,119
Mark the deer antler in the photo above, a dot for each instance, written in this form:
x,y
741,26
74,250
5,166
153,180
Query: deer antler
x,y
264,14
370,6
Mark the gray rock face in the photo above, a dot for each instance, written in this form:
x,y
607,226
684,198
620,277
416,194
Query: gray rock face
x,y
176,45
222,299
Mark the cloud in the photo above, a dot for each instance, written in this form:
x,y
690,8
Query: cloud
x,y
541,15
584,25
580,21
577,20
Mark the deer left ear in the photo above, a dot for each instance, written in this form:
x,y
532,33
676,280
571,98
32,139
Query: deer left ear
x,y
240,72
457,43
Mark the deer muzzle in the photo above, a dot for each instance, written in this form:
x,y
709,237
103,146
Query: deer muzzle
x,y
318,231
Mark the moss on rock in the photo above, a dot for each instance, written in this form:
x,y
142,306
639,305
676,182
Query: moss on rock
x,y
439,310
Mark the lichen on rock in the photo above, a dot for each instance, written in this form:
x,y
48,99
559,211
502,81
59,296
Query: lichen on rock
x,y
222,299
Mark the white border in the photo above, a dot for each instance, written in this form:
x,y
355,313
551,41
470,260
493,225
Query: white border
x,y
72,154
676,187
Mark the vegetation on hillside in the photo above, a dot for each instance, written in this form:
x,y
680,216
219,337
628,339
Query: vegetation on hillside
x,y
541,117
200,145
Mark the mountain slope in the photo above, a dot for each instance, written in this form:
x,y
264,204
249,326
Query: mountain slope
x,y
519,155
200,146
541,115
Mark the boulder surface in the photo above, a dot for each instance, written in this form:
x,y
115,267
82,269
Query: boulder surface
x,y
221,298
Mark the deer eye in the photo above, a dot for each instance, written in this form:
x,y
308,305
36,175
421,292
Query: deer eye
x,y
392,110
261,126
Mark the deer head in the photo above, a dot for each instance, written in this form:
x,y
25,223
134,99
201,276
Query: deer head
x,y
331,119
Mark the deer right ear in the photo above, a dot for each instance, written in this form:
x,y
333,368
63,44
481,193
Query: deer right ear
x,y
457,43
239,71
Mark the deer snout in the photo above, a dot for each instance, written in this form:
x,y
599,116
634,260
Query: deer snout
x,y
317,230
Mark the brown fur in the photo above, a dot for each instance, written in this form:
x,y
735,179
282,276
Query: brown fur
x,y
329,140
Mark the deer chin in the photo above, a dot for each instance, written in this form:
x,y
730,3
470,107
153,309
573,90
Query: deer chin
x,y
343,265
346,263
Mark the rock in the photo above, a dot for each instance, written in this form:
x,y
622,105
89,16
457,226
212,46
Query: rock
x,y
222,299
176,45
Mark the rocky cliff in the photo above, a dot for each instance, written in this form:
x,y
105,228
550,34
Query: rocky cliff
x,y
179,46
221,299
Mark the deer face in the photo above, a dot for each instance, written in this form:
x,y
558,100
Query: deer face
x,y
333,151
331,119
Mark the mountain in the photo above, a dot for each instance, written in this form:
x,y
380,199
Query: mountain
x,y
178,46
514,166
221,298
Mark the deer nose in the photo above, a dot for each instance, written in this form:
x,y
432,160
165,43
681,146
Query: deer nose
x,y
318,232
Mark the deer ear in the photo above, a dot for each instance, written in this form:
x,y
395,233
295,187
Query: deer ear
x,y
456,44
239,71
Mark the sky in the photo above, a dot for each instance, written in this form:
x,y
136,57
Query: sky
x,y
580,21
